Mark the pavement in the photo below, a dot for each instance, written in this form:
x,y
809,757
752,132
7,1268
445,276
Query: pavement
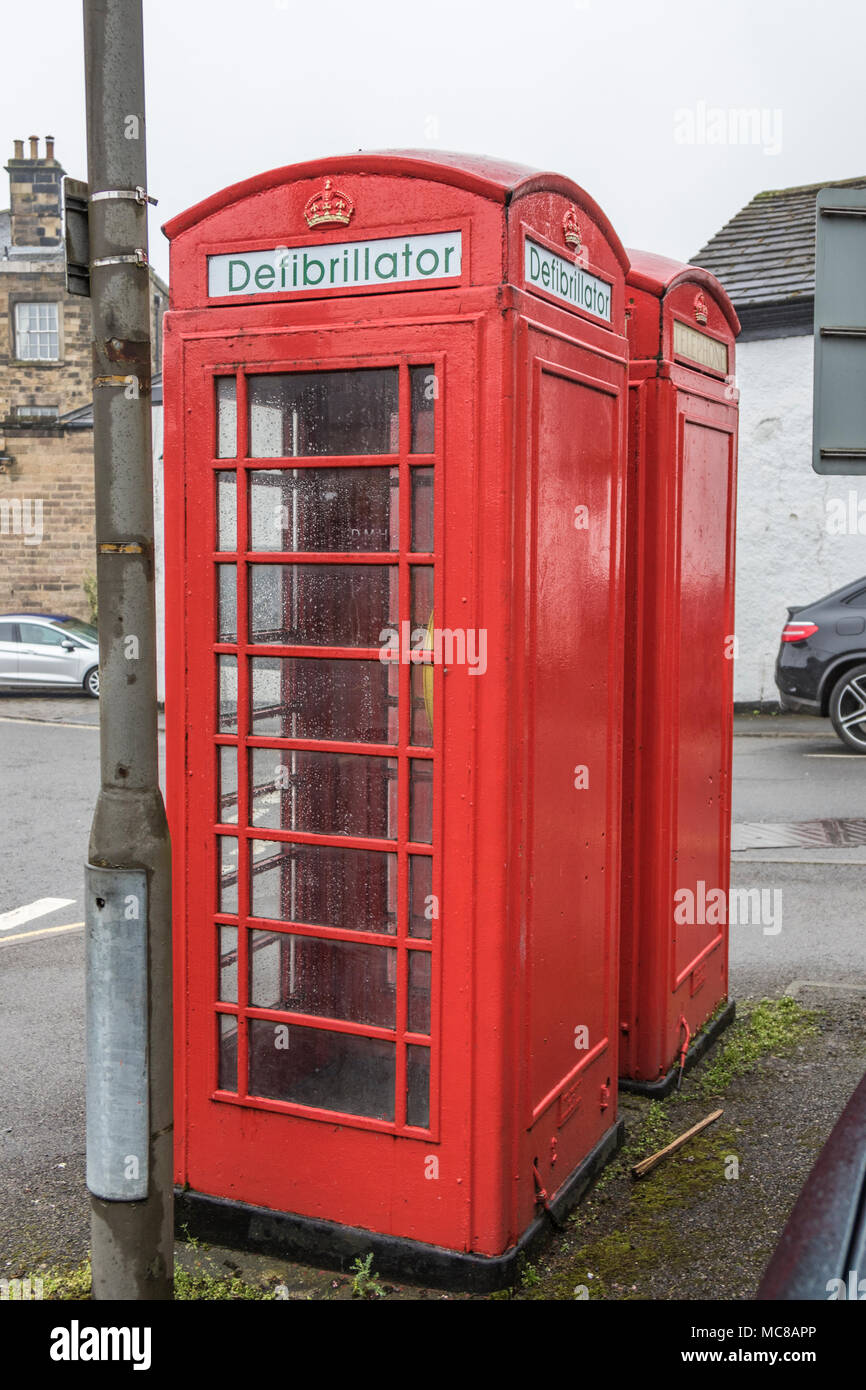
x,y
788,771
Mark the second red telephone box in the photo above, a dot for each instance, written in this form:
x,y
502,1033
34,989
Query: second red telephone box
x,y
395,393
679,653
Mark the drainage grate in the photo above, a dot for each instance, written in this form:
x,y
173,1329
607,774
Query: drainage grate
x,y
824,834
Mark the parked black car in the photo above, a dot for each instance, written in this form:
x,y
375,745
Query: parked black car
x,y
821,667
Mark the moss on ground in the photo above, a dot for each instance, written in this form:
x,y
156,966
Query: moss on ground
x,y
607,1253
74,1284
612,1264
772,1027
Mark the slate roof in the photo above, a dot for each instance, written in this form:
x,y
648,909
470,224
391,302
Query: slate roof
x,y
765,258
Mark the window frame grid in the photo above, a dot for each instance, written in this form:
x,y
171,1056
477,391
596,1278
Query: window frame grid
x,y
404,559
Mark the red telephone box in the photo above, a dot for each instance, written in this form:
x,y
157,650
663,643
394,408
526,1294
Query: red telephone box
x,y
679,656
395,394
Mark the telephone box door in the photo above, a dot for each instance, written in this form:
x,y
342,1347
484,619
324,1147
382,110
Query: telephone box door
x,y
313,1032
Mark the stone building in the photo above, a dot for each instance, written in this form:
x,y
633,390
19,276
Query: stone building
x,y
47,544
791,545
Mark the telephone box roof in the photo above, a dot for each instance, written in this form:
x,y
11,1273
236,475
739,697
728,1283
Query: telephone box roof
x,y
496,179
658,274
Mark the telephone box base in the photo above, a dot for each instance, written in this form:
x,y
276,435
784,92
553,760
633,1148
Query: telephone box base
x,y
699,1047
324,1243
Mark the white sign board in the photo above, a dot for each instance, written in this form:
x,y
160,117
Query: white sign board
x,y
700,347
545,270
337,265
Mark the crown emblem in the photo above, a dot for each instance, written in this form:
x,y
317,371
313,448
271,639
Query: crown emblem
x,y
702,312
571,228
328,205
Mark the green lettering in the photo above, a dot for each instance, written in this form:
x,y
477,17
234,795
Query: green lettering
x,y
307,264
428,251
449,250
241,265
386,256
268,272
545,273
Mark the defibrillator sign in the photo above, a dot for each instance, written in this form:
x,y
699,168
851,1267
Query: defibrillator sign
x,y
545,270
387,261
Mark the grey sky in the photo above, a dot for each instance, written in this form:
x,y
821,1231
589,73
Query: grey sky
x,y
609,92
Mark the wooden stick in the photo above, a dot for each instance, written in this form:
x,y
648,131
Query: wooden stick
x,y
646,1164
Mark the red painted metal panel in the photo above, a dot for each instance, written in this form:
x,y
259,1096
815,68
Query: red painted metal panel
x,y
574,597
679,661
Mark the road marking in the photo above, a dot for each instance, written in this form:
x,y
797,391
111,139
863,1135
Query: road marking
x,y
40,908
44,723
53,723
796,987
854,756
40,931
839,858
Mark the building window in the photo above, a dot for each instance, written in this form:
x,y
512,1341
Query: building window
x,y
37,412
37,333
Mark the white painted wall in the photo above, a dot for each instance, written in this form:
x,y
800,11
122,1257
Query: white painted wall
x,y
786,552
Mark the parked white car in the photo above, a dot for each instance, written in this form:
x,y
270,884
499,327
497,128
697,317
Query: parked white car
x,y
50,650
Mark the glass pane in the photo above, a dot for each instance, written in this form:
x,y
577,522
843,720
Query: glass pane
x,y
424,386
228,984
418,1086
419,991
422,596
331,1071
325,885
422,706
227,722
305,414
227,811
421,801
324,793
324,698
227,417
316,509
228,1052
422,639
422,907
228,871
422,509
328,979
35,635
227,625
322,605
227,507
300,697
